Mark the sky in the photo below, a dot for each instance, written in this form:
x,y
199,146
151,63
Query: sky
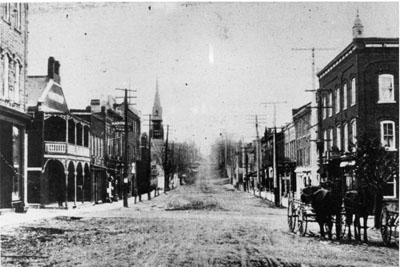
x,y
218,65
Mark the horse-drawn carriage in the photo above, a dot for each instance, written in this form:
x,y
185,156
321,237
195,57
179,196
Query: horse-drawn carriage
x,y
390,223
300,213
318,204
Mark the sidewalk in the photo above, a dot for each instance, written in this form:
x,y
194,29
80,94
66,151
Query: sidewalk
x,y
270,197
12,218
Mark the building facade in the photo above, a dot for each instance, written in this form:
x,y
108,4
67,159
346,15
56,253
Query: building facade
x,y
13,118
58,146
359,95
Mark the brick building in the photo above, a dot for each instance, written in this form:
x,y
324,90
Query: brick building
x,y
13,117
359,95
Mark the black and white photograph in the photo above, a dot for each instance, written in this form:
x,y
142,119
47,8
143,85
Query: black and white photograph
x,y
199,133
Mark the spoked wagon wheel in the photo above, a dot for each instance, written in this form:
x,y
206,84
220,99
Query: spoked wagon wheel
x,y
302,221
396,230
385,227
291,212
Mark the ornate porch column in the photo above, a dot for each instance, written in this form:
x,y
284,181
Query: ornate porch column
x,y
75,186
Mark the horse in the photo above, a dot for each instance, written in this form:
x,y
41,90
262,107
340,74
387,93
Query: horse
x,y
360,204
323,203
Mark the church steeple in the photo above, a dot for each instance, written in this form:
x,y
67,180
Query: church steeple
x,y
157,109
358,28
157,131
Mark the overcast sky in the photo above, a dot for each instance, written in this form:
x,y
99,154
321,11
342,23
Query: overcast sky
x,y
216,63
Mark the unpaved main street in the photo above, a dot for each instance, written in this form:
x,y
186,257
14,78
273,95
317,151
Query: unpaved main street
x,y
205,224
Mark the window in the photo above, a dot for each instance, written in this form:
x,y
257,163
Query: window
x,y
344,96
330,105
17,162
338,141
388,135
389,189
18,16
326,141
386,90
17,81
324,107
346,137
6,61
353,91
330,136
337,100
7,12
353,132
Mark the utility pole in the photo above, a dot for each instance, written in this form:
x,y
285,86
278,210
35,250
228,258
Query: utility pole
x,y
165,163
315,121
126,159
277,187
149,167
258,155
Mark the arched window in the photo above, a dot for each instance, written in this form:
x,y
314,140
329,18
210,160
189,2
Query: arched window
x,y
337,100
338,138
17,86
386,88
344,96
345,137
6,73
353,138
353,91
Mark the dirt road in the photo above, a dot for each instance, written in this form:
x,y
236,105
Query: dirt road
x,y
206,224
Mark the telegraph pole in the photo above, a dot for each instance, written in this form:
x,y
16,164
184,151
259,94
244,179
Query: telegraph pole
x,y
155,191
165,163
126,159
277,187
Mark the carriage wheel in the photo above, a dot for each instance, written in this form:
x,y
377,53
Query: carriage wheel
x,y
385,227
302,221
396,231
291,212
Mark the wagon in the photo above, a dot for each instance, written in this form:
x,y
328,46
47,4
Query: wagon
x,y
390,224
300,214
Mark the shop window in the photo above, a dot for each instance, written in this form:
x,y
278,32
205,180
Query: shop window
x,y
17,164
386,88
388,135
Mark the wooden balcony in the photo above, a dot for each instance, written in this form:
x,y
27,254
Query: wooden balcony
x,y
64,148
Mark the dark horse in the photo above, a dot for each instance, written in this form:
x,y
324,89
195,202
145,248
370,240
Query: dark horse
x,y
324,204
360,204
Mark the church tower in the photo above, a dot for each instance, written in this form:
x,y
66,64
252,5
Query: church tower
x,y
157,131
358,28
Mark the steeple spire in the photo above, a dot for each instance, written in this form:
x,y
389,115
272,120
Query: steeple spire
x,y
157,109
358,28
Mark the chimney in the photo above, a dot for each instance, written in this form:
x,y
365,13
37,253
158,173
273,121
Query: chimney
x,y
56,76
95,105
50,68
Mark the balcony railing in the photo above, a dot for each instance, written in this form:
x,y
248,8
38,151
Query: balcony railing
x,y
61,148
55,147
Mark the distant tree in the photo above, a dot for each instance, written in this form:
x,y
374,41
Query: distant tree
x,y
375,166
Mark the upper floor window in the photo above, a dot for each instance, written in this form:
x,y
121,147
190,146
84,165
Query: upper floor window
x,y
345,137
6,64
344,96
353,138
386,88
337,100
7,12
338,140
324,107
353,91
330,105
388,135
18,16
17,81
